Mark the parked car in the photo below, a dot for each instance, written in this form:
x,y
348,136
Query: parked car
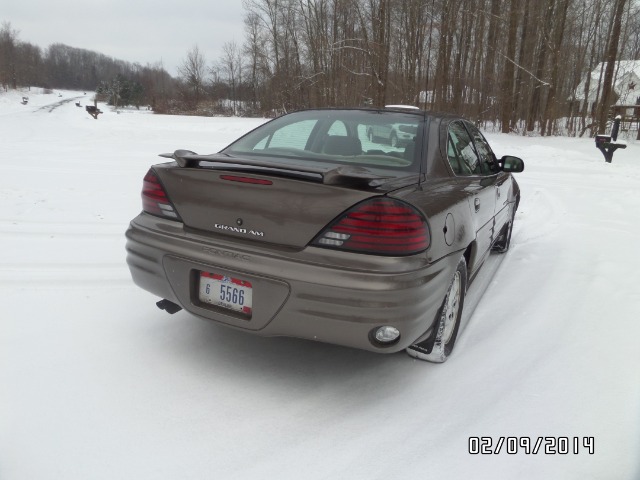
x,y
394,134
294,229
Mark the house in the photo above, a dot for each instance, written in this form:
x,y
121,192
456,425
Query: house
x,y
626,84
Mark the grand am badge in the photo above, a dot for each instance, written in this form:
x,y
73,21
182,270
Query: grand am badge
x,y
246,231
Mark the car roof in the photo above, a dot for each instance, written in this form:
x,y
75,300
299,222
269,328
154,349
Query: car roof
x,y
390,108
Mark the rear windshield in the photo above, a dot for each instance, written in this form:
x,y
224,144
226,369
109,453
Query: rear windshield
x,y
385,140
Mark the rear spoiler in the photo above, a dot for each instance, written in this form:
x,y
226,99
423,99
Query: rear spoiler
x,y
344,174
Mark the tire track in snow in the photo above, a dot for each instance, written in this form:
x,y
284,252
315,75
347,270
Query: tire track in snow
x,y
68,229
538,217
49,253
53,106
54,275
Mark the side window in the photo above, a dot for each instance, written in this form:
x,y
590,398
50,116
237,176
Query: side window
x,y
294,135
488,164
338,128
452,155
460,151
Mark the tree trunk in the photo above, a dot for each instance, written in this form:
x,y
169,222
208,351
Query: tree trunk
x,y
612,54
489,73
550,108
508,74
534,105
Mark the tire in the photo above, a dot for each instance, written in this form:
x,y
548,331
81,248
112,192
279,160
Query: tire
x,y
393,140
439,345
503,242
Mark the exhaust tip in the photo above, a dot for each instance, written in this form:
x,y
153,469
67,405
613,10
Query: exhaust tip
x,y
168,306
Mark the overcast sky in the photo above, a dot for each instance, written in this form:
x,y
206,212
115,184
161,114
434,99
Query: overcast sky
x,y
143,31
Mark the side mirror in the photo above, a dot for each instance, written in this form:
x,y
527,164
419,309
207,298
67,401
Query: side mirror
x,y
511,164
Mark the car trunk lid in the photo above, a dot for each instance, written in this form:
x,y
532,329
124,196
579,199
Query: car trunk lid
x,y
271,203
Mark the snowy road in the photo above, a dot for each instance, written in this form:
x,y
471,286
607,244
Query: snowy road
x,y
97,383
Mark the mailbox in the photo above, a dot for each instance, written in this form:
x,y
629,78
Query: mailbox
x,y
607,144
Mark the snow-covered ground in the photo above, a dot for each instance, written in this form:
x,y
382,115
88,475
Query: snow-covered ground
x,y
97,383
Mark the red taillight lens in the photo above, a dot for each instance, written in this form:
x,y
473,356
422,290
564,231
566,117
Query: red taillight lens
x,y
381,226
154,198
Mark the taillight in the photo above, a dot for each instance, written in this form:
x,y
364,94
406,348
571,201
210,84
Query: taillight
x,y
381,226
154,198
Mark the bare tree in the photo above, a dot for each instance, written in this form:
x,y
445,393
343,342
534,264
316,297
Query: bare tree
x,y
375,26
612,55
193,71
551,107
231,65
8,56
519,64
256,56
509,70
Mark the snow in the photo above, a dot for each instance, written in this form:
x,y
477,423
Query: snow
x,y
98,383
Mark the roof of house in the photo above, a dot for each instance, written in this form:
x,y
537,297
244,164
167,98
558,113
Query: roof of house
x,y
626,83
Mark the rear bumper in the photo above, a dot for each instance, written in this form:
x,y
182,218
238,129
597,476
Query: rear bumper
x,y
315,293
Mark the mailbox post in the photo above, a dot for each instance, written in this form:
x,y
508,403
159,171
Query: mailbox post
x,y
608,144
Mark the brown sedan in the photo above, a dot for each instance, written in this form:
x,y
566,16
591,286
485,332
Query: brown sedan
x,y
306,227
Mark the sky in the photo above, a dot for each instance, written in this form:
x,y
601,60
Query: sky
x,y
142,31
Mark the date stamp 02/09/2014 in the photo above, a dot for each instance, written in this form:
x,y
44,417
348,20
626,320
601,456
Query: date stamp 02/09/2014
x,y
531,445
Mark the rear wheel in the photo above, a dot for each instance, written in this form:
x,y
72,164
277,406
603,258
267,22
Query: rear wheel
x,y
439,346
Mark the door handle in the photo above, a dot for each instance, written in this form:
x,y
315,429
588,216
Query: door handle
x,y
476,202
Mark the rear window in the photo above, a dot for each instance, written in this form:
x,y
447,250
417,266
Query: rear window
x,y
375,139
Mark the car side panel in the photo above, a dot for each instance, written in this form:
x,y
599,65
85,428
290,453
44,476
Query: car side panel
x,y
483,204
448,207
504,198
501,186
450,200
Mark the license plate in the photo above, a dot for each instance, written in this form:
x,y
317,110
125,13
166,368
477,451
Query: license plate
x,y
226,292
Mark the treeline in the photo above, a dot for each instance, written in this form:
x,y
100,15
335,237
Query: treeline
x,y
513,62
63,67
